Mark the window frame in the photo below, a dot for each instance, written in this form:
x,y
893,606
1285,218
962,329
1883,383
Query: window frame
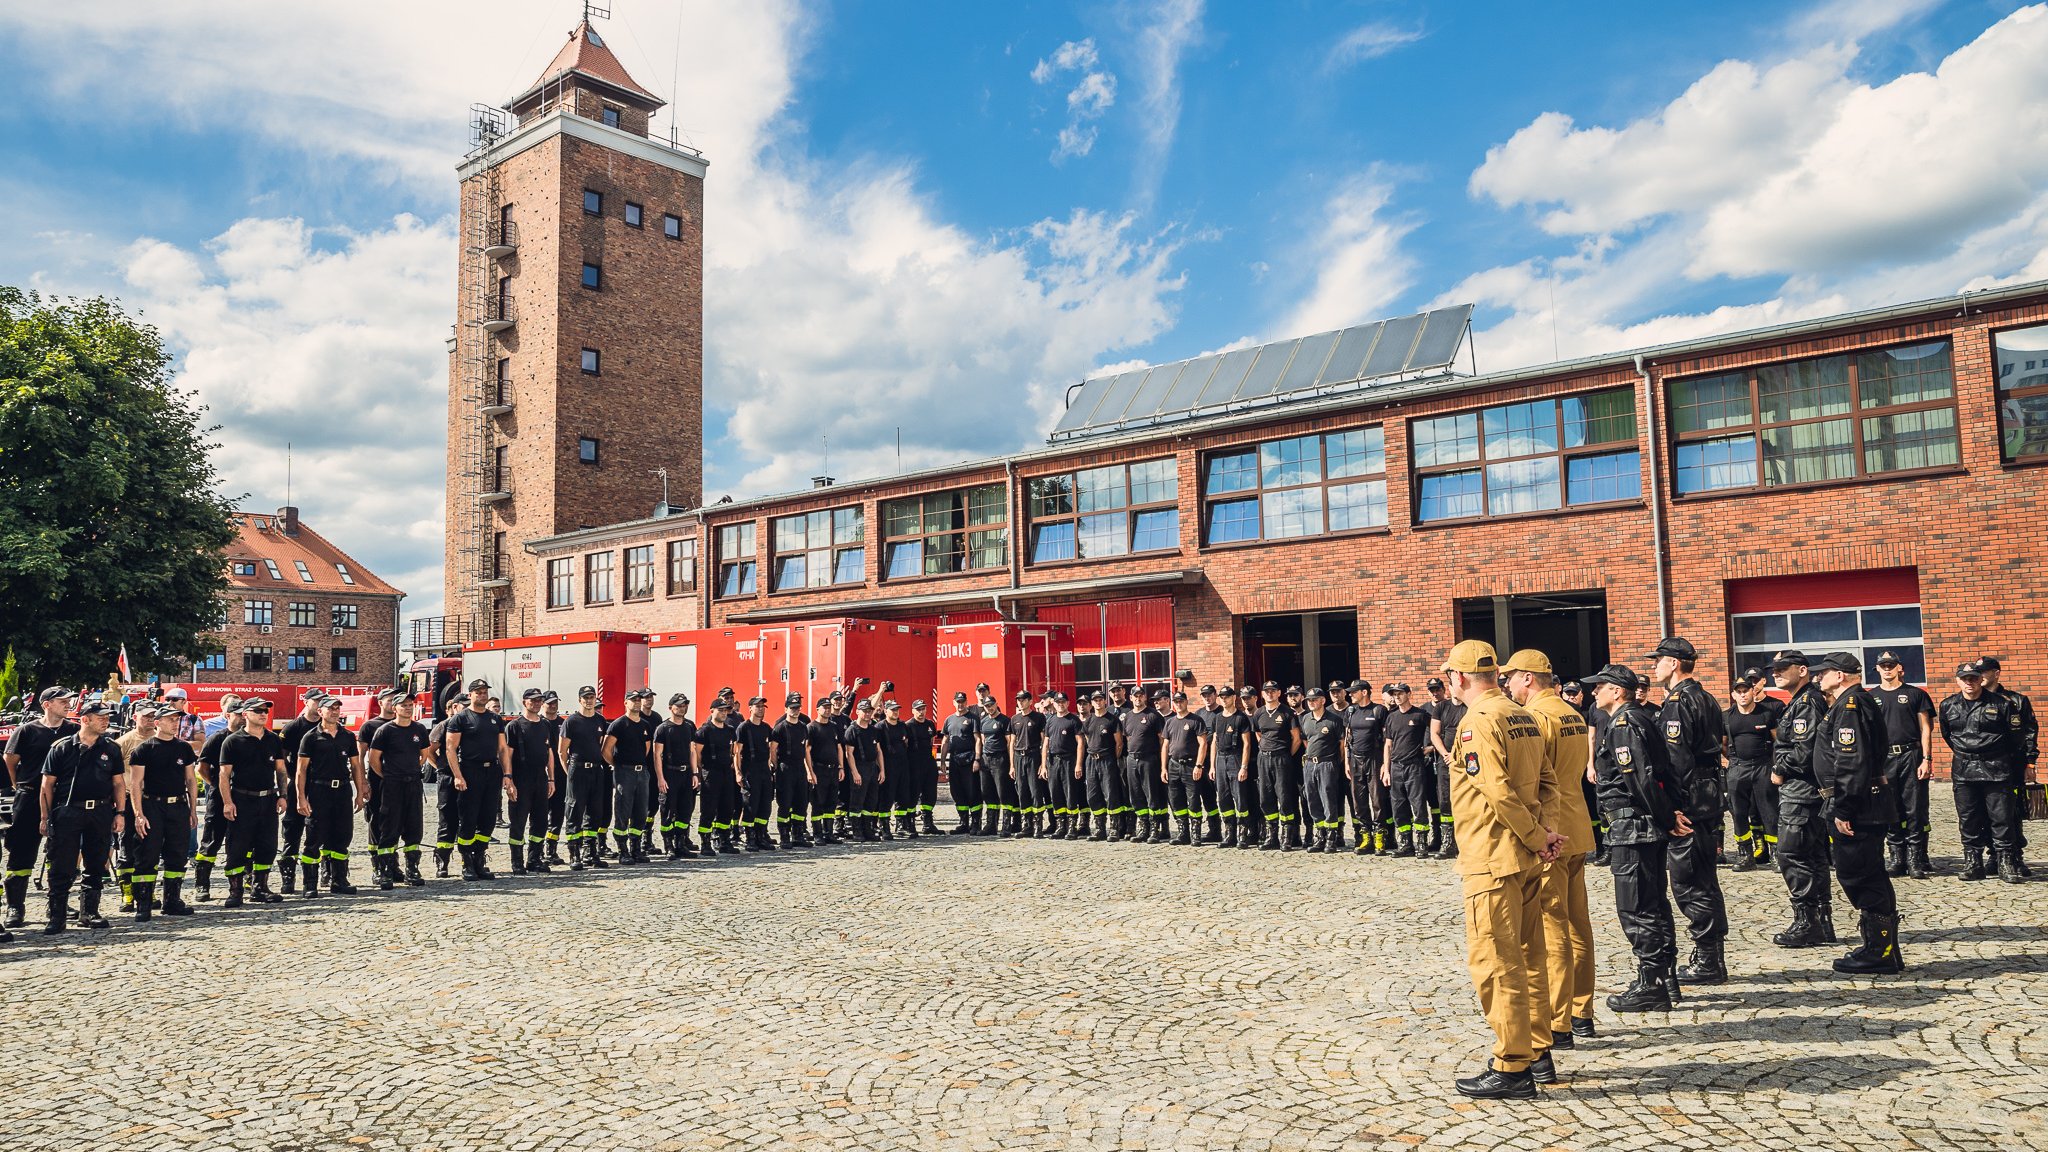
x,y
1126,507
258,658
337,656
682,562
598,568
832,550
592,277
1562,453
743,560
561,582
640,560
1256,493
1746,655
242,568
635,215
259,613
609,115
590,361
215,661
671,226
2000,394
594,457
302,659
301,613
1855,415
965,530
588,210
344,616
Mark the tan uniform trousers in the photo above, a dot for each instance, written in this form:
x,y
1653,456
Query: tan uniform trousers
x,y
1504,950
1568,943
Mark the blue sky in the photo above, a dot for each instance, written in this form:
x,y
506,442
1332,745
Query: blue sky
x,y
940,215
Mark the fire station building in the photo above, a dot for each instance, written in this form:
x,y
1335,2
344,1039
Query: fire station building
x,y
1350,504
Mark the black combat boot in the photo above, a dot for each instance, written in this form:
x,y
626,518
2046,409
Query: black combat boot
x,y
1647,994
412,869
1229,834
2009,867
337,878
1746,859
290,877
1803,932
1293,835
1894,859
17,901
234,899
1405,844
1214,833
555,851
1272,841
143,890
174,898
385,866
1671,986
1100,834
926,824
202,879
469,865
89,910
1707,965
1973,864
535,861
1825,917
441,862
1918,866
59,912
261,893
1449,851
311,883
1543,1069
1436,836
1878,955
1184,837
517,853
640,848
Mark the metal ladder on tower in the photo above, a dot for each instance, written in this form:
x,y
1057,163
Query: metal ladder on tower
x,y
485,238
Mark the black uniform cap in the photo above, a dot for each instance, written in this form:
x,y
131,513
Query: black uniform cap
x,y
1318,694
678,698
1887,658
1161,693
1270,686
479,684
1788,658
531,694
793,700
1180,697
95,708
50,694
1227,690
1753,674
1968,669
1989,664
959,697
1208,689
753,700
1360,686
981,688
1677,647
1572,688
586,692
1097,695
1840,662
1337,686
1294,689
1619,675
1433,682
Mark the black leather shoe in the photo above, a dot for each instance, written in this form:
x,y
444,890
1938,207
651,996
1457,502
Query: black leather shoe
x,y
1563,1040
1543,1069
1582,1027
1496,1085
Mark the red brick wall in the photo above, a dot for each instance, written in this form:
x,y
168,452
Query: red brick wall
x,y
372,638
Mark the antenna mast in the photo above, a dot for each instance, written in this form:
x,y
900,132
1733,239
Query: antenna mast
x,y
592,9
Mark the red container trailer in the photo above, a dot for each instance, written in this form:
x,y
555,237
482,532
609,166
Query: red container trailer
x,y
837,653
612,662
813,658
1007,656
699,662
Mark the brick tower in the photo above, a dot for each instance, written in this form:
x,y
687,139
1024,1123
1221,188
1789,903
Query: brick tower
x,y
577,365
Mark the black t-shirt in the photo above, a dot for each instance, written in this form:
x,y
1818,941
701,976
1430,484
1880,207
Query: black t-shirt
x,y
1408,729
792,736
1321,737
530,741
1184,735
165,764
1142,731
326,756
716,740
1227,731
1272,726
995,731
958,735
252,758
895,743
367,736
1099,733
32,742
480,732
1903,706
674,738
293,735
825,743
399,748
632,749
752,737
1449,715
866,742
921,735
1749,734
1061,735
83,770
1365,731
585,735
1029,728
209,755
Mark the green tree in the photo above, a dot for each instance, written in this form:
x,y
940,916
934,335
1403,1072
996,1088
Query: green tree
x,y
112,527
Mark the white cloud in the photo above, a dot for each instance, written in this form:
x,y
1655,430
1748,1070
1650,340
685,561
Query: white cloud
x,y
1360,267
1369,41
1166,30
1092,96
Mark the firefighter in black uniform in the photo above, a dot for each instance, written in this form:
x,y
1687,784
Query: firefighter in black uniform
x,y
373,807
1446,715
1365,736
1978,725
1202,801
476,756
757,779
956,745
293,828
924,765
163,790
992,753
395,756
1849,763
1279,739
558,799
1909,733
1322,760
82,800
1027,733
213,827
1690,722
627,751
1231,762
27,748
530,740
1405,768
1102,747
1185,740
828,771
1063,771
252,776
2029,750
891,810
865,774
717,778
582,751
1142,728
1802,829
791,753
673,739
445,806
1634,786
329,779
1751,722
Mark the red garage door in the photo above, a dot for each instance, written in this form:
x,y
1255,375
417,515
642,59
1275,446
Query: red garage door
x,y
1118,641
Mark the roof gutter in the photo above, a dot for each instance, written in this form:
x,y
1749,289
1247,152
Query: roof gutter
x,y
1659,545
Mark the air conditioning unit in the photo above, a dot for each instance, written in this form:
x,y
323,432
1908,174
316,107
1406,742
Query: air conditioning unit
x,y
337,631
265,629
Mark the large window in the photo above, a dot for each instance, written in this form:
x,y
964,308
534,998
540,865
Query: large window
x,y
302,614
562,582
345,660
1869,632
1100,512
2022,359
256,659
819,549
1811,421
736,560
300,659
1535,456
256,612
682,567
344,615
640,572
1304,486
213,662
597,578
959,531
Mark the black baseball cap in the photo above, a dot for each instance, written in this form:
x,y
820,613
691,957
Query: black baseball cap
x,y
1968,669
586,692
1360,686
1180,697
1161,693
1788,658
753,700
95,708
1619,675
1023,694
1841,662
1337,686
981,688
1097,695
1989,663
678,698
1433,682
479,685
49,695
1571,688
1753,674
1677,647
959,697
1208,689
1227,690
1270,686
255,704
917,705
532,694
793,700
1318,694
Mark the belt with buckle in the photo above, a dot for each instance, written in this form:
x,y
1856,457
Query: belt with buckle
x,y
88,805
249,792
1898,749
331,783
178,799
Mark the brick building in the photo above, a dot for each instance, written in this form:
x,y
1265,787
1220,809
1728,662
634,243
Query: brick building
x,y
1866,481
576,366
301,611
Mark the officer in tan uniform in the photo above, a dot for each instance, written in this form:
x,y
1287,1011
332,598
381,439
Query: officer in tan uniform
x,y
1567,924
1497,800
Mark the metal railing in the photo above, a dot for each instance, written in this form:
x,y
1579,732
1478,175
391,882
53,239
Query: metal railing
x,y
439,632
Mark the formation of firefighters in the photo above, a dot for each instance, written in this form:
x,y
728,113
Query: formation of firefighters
x,y
1832,780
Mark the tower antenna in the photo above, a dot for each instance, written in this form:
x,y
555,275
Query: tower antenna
x,y
287,473
601,11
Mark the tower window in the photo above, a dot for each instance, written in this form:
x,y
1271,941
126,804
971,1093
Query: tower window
x,y
593,202
586,449
672,226
590,361
592,276
502,387
611,116
633,212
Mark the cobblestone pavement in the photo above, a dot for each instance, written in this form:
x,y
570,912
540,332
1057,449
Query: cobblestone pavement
x,y
945,994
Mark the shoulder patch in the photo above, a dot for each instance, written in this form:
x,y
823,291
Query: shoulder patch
x,y
1799,727
1846,737
1672,730
1624,756
1464,734
1471,763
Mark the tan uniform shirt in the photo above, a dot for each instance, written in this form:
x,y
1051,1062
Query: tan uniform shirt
x,y
1496,788
1568,739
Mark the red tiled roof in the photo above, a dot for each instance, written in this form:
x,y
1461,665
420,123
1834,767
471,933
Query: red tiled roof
x,y
586,53
260,537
